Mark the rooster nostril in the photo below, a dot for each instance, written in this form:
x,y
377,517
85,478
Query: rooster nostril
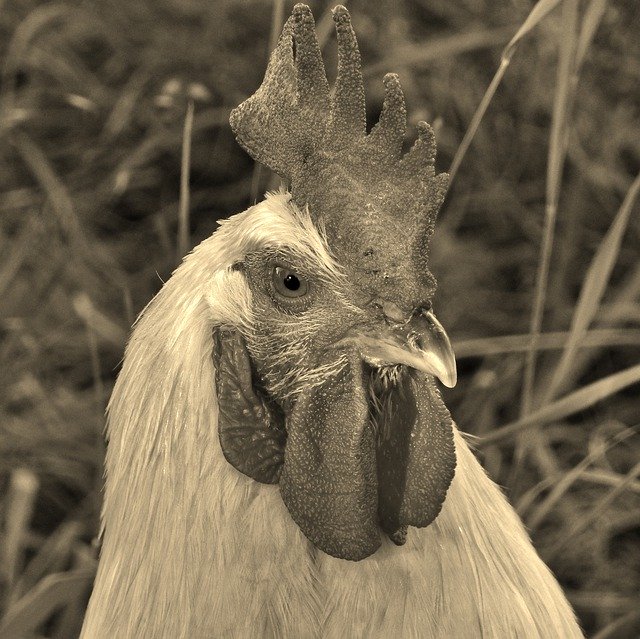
x,y
423,307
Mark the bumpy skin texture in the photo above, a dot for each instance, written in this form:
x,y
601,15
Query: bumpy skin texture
x,y
415,455
377,207
251,429
329,478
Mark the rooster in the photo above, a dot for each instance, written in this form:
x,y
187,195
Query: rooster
x,y
280,460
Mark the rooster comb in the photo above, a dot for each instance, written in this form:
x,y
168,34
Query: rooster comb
x,y
352,181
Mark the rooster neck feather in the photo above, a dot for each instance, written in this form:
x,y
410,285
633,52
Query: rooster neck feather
x,y
193,548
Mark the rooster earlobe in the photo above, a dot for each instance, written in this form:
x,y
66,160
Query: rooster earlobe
x,y
251,430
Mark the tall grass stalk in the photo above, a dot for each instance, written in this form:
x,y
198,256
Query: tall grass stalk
x,y
277,20
593,289
185,171
532,439
557,153
539,11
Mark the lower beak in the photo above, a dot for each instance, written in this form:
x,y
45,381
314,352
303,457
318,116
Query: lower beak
x,y
431,354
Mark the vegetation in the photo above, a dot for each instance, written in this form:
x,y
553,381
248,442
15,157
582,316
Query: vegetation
x,y
536,251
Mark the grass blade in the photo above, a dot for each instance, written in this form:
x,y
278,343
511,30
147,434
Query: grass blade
x,y
17,254
102,325
592,17
593,288
568,479
26,32
438,48
606,478
20,501
545,461
557,152
597,338
539,11
51,557
277,20
626,626
476,119
185,170
84,309
597,511
51,594
153,145
57,193
568,405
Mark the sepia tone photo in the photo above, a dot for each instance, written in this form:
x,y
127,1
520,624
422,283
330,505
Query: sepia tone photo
x,y
320,321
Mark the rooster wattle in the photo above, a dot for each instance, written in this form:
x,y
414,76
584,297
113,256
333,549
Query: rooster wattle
x,y
280,460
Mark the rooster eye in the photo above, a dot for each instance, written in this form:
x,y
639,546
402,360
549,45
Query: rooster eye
x,y
288,283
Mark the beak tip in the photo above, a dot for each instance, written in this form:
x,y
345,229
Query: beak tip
x,y
446,372
450,380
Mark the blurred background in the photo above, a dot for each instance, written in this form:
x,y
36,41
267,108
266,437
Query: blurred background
x,y
540,230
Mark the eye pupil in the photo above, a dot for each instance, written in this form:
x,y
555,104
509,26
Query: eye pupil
x,y
287,283
292,282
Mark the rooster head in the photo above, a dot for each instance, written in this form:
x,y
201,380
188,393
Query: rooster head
x,y
327,385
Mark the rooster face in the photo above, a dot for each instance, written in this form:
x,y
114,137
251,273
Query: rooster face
x,y
329,391
301,308
338,352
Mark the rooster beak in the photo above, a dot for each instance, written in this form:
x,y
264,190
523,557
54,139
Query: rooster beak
x,y
431,354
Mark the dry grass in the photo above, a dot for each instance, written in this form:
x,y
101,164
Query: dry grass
x,y
109,110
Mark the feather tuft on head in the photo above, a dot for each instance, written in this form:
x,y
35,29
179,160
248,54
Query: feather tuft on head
x,y
377,207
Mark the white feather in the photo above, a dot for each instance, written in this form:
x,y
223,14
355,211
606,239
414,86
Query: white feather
x,y
193,548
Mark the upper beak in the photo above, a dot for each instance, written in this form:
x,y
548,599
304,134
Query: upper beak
x,y
432,354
